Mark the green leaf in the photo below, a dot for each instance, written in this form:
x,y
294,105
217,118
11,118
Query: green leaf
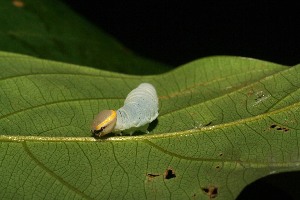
x,y
48,29
224,122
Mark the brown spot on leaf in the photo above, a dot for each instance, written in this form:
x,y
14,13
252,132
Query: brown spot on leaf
x,y
153,175
18,3
250,92
150,177
259,95
194,196
169,173
208,124
210,191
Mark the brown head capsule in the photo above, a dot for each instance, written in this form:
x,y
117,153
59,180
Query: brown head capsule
x,y
104,123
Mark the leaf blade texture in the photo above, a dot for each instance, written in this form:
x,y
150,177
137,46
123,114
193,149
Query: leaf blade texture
x,y
224,122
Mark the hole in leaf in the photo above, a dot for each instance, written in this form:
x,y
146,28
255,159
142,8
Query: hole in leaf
x,y
221,154
279,128
169,173
210,191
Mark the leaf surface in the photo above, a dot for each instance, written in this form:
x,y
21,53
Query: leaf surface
x,y
48,29
224,122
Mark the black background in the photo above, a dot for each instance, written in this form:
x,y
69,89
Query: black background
x,y
178,32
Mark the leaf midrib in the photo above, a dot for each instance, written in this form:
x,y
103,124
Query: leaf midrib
x,y
6,138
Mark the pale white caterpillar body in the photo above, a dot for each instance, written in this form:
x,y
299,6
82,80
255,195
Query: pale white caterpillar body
x,y
140,108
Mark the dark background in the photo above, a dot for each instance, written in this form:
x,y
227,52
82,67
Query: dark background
x,y
176,33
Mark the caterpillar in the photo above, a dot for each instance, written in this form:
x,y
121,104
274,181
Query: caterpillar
x,y
139,110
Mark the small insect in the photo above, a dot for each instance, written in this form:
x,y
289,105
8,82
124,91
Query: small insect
x,y
140,108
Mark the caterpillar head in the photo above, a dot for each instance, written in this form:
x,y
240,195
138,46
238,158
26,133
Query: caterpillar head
x,y
104,123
